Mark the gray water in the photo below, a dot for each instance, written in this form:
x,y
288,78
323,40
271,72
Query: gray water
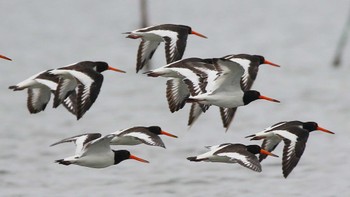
x,y
301,36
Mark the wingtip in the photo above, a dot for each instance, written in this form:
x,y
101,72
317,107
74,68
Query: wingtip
x,y
151,74
56,103
248,136
63,162
54,144
14,88
191,158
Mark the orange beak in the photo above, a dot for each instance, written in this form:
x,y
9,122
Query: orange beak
x,y
272,64
168,134
138,159
198,34
268,98
265,152
324,130
115,69
6,58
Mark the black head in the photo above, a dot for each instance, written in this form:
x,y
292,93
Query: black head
x,y
120,155
184,29
155,129
158,131
255,149
313,126
255,60
171,27
252,95
249,96
260,59
100,66
310,126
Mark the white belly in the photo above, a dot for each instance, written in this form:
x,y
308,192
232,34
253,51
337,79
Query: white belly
x,y
221,100
96,161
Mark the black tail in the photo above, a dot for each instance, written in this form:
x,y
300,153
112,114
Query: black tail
x,y
257,138
151,74
15,88
250,136
192,158
63,162
191,100
195,159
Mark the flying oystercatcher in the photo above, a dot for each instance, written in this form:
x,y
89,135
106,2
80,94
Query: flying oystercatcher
x,y
93,150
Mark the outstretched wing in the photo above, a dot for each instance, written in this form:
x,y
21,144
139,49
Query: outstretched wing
x,y
38,98
70,103
176,94
88,92
195,112
143,135
195,73
175,45
294,146
99,145
238,153
227,115
79,140
145,52
66,86
229,76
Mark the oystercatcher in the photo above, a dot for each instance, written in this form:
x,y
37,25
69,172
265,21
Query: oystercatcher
x,y
39,88
201,75
251,64
139,135
174,36
225,90
217,83
294,135
83,77
234,153
93,150
179,72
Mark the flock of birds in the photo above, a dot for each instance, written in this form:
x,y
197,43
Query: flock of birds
x,y
224,82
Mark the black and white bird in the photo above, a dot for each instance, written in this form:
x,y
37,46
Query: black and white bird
x,y
215,81
40,86
294,135
179,73
140,135
251,64
174,36
234,153
85,79
4,57
225,90
93,150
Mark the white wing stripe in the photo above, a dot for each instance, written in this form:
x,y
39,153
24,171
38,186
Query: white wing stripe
x,y
142,136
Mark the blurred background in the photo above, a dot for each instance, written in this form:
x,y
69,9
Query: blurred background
x,y
301,36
